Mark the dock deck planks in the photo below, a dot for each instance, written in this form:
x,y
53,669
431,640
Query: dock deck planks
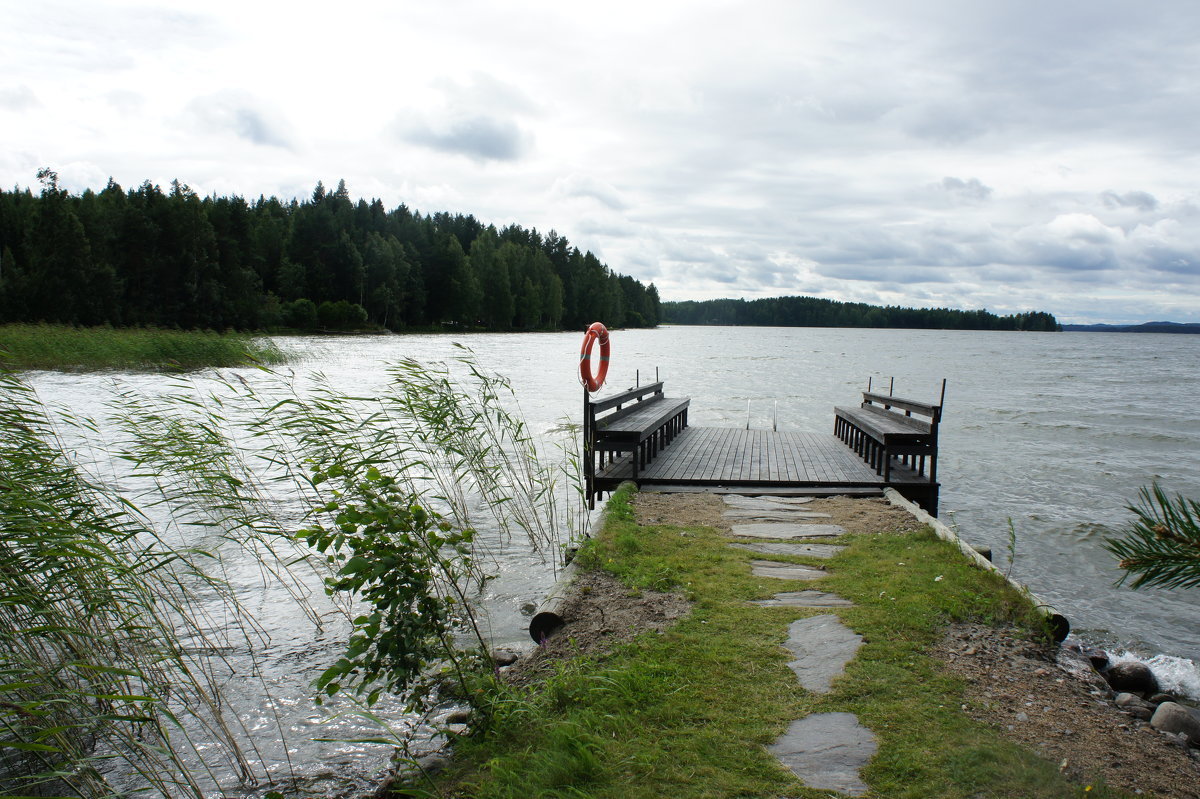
x,y
762,461
710,455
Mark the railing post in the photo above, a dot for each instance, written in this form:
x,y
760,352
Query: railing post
x,y
589,466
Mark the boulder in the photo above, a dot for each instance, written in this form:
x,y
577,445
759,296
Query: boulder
x,y
504,657
1175,718
1128,700
1074,662
1132,676
411,772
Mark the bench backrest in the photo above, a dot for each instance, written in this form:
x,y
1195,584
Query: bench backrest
x,y
625,402
909,407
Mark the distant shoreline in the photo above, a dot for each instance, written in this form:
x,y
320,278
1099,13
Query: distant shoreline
x,y
1145,327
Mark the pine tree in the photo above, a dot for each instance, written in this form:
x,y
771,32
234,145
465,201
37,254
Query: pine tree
x,y
1163,546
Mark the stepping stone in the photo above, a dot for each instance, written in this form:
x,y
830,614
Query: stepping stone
x,y
780,530
779,515
821,646
805,550
804,599
826,751
785,571
765,503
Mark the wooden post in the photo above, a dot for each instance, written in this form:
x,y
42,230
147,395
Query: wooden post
x,y
589,466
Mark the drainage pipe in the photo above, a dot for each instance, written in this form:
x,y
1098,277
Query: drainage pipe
x,y
549,614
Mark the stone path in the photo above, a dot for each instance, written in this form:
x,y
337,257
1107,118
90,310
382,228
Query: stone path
x,y
821,646
780,515
785,571
804,599
765,503
825,751
804,550
787,530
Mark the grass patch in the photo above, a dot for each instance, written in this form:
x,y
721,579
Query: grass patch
x,y
688,713
154,349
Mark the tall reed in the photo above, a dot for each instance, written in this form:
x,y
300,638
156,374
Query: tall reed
x,y
64,347
95,610
106,650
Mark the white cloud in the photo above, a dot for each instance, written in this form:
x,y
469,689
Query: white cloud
x,y
239,113
966,191
575,186
1009,155
1139,200
476,136
479,117
18,98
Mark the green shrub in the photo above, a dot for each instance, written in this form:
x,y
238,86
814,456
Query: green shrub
x,y
342,315
300,314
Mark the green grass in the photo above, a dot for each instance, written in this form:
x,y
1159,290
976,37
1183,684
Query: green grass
x,y
66,348
688,713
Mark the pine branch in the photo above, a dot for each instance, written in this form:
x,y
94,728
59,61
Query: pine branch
x,y
1162,548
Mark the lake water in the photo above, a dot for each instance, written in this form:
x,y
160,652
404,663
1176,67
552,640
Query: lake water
x,y
1053,432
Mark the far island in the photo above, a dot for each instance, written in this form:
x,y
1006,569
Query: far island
x,y
1145,327
817,312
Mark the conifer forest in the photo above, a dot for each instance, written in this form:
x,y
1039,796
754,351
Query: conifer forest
x,y
148,257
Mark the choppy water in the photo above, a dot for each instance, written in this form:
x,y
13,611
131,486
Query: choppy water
x,y
1055,432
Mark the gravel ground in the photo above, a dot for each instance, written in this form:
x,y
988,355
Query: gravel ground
x,y
1063,714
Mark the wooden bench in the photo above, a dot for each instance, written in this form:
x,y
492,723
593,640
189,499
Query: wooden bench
x,y
884,428
640,421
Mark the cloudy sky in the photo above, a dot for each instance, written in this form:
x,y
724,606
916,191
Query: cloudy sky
x,y
1010,155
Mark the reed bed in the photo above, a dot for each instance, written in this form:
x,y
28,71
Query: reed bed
x,y
112,575
150,349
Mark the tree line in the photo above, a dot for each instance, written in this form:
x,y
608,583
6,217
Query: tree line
x,y
816,312
145,257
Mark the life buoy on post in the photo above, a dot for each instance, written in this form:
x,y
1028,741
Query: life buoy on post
x,y
596,332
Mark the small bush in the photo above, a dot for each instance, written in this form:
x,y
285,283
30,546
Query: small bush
x,y
342,315
300,314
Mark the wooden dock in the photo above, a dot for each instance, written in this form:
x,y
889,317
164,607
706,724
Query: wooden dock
x,y
764,462
642,435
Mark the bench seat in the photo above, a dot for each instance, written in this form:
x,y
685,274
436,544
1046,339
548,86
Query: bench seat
x,y
639,425
884,424
646,429
883,428
640,421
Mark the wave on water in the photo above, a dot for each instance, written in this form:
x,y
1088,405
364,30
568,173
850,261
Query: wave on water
x,y
1176,675
1085,530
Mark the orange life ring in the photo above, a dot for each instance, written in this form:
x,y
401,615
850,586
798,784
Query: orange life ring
x,y
595,332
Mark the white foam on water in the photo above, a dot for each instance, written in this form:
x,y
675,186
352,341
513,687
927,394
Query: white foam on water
x,y
1176,675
